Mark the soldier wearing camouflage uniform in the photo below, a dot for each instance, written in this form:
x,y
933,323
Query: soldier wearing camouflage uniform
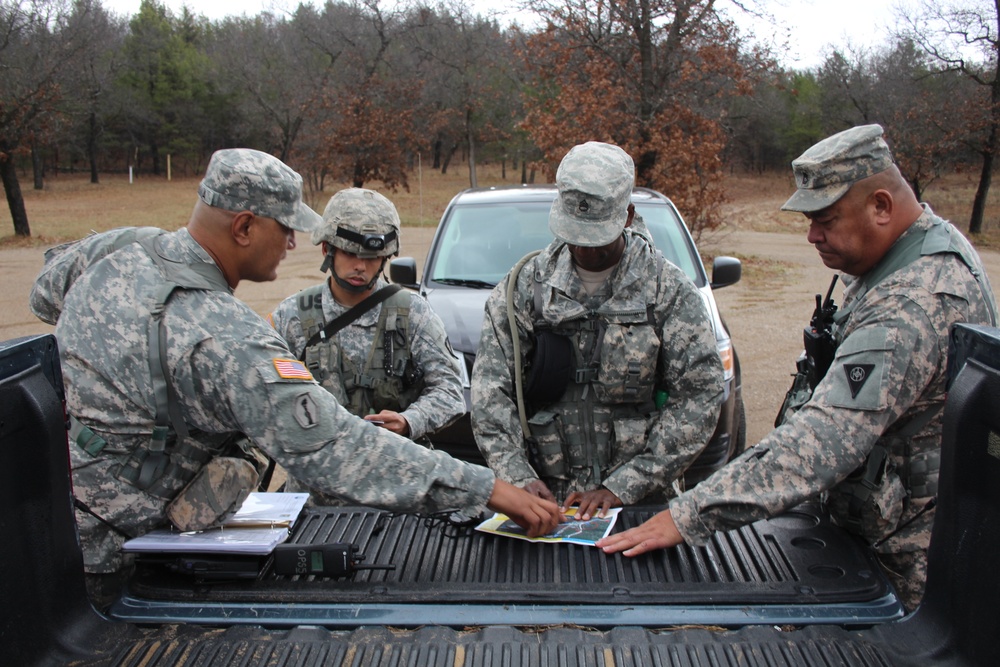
x,y
876,414
393,364
644,380
221,371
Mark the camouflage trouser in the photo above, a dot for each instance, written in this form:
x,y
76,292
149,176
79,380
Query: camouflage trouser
x,y
908,574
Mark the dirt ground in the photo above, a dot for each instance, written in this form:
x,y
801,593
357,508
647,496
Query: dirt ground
x,y
765,311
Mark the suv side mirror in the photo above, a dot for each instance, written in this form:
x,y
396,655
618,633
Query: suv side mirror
x,y
403,270
726,271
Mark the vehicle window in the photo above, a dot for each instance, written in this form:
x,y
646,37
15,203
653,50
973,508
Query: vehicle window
x,y
482,242
672,239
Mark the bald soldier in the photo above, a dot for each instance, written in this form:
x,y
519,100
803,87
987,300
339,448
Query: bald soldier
x,y
869,436
165,368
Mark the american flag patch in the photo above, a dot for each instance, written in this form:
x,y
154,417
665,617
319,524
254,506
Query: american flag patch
x,y
292,369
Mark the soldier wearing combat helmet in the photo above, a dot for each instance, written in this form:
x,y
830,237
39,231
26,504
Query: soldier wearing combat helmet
x,y
379,349
868,436
359,222
623,376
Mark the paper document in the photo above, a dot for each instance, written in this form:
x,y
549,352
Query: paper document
x,y
262,523
576,532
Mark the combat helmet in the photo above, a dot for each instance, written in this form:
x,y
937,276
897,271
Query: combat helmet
x,y
361,222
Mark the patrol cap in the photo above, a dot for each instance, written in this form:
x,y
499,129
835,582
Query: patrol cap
x,y
242,179
825,172
595,185
361,222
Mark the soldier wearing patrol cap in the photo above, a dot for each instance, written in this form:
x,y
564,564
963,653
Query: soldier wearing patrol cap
x,y
623,379
382,352
868,438
165,368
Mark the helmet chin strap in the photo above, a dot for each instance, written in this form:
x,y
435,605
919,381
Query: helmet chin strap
x,y
350,287
354,289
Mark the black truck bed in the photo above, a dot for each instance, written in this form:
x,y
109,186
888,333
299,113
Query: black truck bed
x,y
777,572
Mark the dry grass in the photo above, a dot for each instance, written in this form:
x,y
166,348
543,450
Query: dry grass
x,y
70,206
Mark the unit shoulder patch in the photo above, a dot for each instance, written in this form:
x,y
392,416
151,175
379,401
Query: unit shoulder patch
x,y
857,375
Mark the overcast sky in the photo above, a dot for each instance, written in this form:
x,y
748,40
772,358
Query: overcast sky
x,y
812,25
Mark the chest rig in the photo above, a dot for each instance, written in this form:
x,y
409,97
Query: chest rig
x,y
387,379
597,416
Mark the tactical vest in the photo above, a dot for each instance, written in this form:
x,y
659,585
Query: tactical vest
x,y
602,417
173,455
388,380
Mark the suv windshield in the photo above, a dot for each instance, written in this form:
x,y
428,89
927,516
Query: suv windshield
x,y
481,242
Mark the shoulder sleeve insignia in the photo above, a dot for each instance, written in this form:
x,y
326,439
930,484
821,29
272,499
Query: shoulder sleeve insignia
x,y
292,369
857,375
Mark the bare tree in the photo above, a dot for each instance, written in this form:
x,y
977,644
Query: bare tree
x,y
465,61
36,45
89,80
361,125
963,36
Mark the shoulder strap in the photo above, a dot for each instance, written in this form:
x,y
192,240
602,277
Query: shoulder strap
x,y
354,313
516,341
201,276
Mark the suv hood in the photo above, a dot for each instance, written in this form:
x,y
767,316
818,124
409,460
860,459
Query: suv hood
x,y
461,310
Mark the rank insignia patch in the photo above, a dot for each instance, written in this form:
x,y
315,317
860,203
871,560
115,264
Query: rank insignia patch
x,y
857,375
292,369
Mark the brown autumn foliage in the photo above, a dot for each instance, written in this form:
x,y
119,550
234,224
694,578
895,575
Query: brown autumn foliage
x,y
651,77
366,134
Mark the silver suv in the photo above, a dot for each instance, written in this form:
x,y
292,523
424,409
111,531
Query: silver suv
x,y
482,234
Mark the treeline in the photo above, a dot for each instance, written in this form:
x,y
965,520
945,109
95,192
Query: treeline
x,y
354,91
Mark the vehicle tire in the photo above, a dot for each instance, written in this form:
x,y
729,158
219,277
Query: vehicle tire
x,y
741,430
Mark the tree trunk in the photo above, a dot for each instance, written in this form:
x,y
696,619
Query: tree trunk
x,y
979,202
473,182
992,140
524,172
36,168
92,147
447,158
15,201
154,153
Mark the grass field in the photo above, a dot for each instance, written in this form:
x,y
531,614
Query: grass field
x,y
70,206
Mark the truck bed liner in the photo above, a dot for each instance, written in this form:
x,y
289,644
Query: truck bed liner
x,y
763,573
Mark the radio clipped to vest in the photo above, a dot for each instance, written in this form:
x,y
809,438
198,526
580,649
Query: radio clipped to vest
x,y
819,349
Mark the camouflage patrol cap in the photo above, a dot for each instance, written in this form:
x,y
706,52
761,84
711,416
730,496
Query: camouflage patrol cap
x,y
241,179
361,222
825,172
595,184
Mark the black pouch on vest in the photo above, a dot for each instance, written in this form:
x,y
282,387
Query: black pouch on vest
x,y
551,368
